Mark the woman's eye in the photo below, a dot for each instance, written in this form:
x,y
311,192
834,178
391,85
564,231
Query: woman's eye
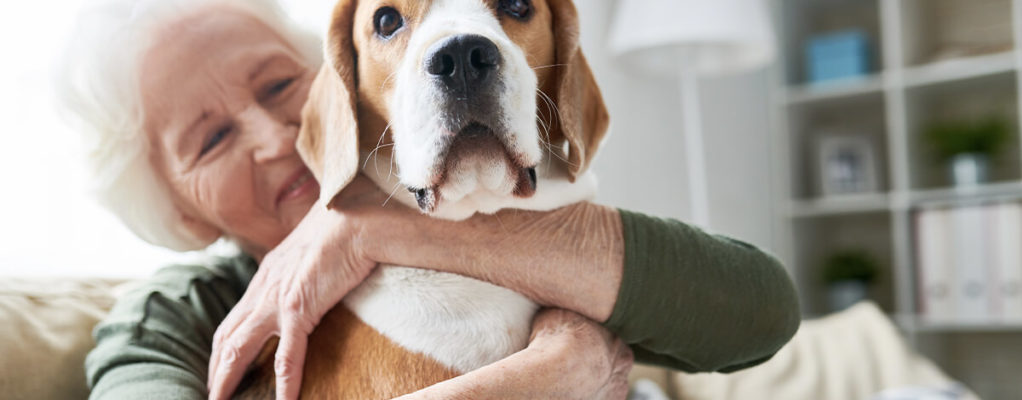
x,y
387,21
280,86
215,139
519,9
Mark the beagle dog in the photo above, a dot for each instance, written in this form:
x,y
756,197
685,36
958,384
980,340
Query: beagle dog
x,y
458,107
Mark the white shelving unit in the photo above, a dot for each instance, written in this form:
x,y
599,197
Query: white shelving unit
x,y
905,91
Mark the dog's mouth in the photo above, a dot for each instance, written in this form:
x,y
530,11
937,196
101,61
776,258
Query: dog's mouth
x,y
474,145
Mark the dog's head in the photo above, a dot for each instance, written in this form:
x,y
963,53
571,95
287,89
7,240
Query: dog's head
x,y
462,95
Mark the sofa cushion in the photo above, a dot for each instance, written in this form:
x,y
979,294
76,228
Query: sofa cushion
x,y
850,355
45,333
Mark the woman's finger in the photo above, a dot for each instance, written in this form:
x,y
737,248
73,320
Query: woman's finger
x,y
236,353
289,362
236,317
242,314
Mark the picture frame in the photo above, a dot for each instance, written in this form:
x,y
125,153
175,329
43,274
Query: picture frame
x,y
846,164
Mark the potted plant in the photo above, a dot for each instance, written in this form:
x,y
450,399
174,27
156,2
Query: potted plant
x,y
848,274
969,146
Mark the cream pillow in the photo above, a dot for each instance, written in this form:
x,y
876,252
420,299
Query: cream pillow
x,y
45,333
850,355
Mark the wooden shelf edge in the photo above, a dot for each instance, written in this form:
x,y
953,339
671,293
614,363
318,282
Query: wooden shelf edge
x,y
837,90
959,69
922,324
840,205
947,197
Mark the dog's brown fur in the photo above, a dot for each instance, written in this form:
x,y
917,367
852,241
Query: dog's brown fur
x,y
347,359
347,108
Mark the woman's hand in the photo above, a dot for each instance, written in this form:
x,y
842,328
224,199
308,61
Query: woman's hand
x,y
296,284
568,357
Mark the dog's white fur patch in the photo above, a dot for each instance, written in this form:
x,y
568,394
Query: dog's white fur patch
x,y
463,323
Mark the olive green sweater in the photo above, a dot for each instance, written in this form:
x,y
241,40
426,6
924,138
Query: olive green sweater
x,y
688,300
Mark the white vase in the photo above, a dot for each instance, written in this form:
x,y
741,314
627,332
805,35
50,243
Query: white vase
x,y
969,169
843,294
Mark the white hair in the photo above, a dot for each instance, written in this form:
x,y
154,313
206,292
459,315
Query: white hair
x,y
98,82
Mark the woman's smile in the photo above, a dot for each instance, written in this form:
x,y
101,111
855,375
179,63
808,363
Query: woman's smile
x,y
299,185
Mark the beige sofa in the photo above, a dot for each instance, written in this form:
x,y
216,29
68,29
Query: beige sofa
x,y
45,333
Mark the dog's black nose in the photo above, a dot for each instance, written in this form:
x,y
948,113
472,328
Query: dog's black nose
x,y
464,64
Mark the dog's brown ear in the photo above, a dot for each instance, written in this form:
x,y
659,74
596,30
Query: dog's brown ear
x,y
328,139
582,114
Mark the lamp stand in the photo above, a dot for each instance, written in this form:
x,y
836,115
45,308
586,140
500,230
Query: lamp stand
x,y
692,124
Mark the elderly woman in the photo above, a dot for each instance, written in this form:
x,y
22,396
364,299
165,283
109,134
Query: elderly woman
x,y
191,108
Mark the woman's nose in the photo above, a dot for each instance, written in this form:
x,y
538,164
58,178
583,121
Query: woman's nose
x,y
272,138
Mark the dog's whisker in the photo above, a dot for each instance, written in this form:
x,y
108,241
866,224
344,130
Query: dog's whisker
x,y
542,124
373,154
390,170
557,154
551,106
387,79
549,102
379,145
502,226
542,119
545,141
546,103
376,164
396,187
549,66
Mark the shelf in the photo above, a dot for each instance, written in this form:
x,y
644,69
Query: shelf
x,y
940,29
840,205
837,90
971,99
923,325
934,62
823,237
960,69
877,202
925,75
945,197
813,124
801,20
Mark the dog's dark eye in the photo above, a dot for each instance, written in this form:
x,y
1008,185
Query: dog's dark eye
x,y
520,9
387,21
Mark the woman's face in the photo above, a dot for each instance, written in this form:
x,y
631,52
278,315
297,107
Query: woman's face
x,y
222,96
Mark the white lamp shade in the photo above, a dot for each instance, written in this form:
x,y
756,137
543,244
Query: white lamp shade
x,y
711,36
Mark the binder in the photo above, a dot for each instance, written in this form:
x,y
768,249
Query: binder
x,y
1006,276
970,229
935,263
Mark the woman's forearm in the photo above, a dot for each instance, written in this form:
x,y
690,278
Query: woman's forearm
x,y
568,357
570,258
523,375
684,298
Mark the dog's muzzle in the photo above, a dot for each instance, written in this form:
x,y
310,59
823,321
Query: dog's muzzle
x,y
465,75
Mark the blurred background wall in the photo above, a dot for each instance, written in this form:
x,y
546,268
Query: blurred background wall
x,y
641,166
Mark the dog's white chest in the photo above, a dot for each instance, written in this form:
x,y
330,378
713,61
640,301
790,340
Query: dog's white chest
x,y
463,323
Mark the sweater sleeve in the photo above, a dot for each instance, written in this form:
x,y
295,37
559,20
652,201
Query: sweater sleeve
x,y
698,302
155,343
